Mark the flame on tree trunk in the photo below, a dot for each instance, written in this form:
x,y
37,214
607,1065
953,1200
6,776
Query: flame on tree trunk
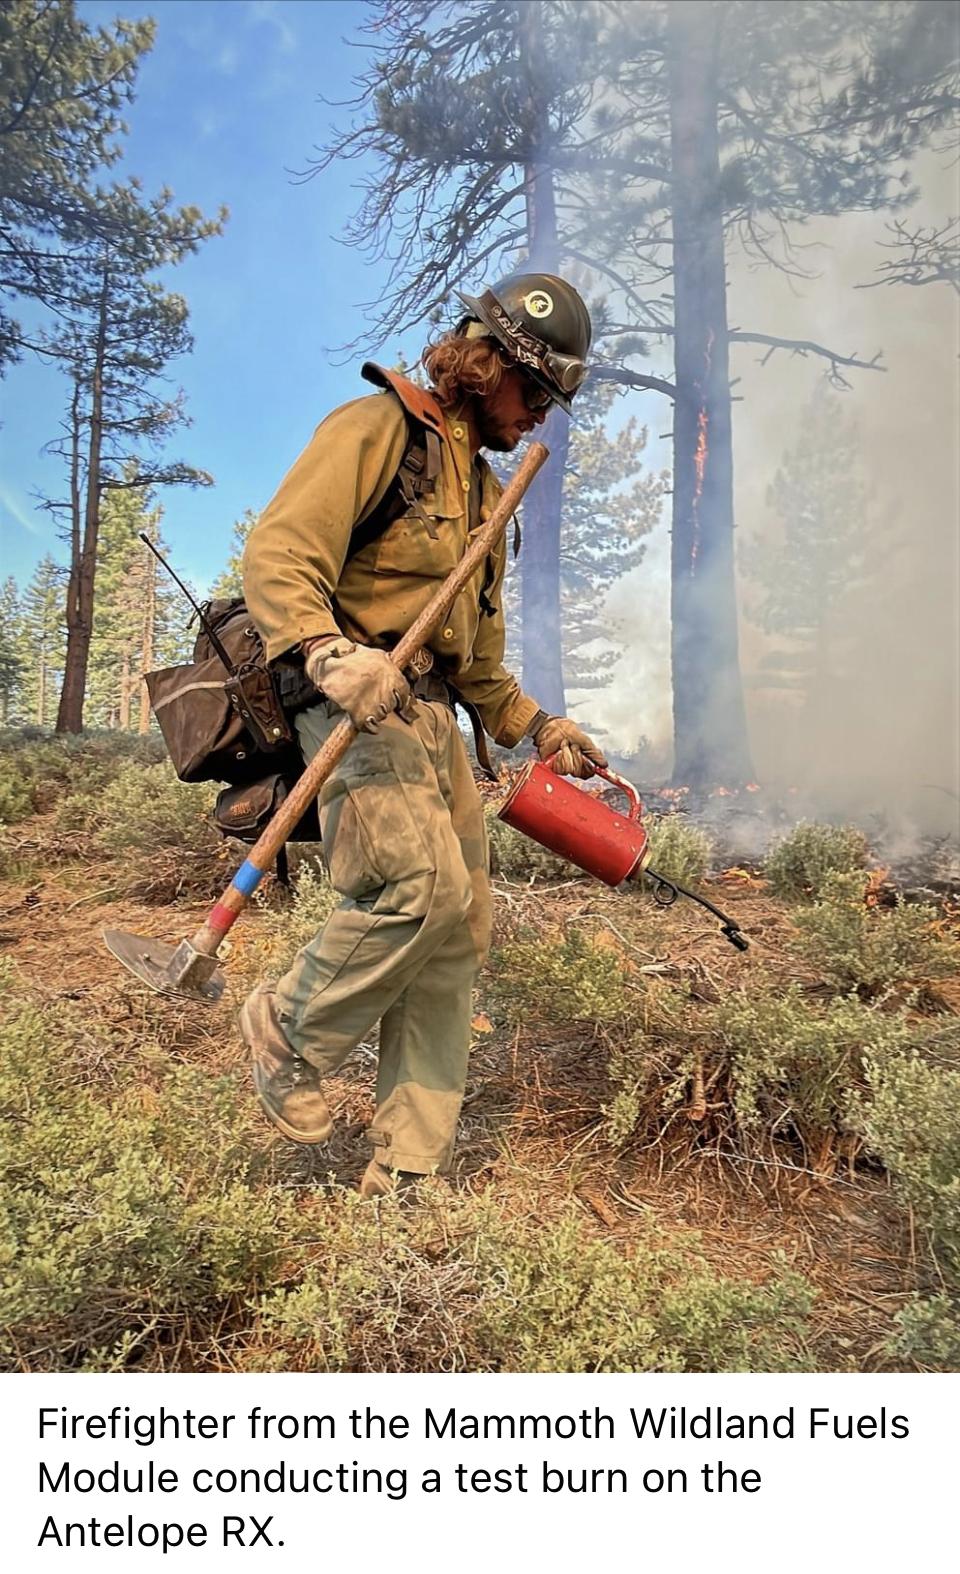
x,y
710,732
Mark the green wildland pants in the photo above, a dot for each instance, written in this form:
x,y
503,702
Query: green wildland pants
x,y
406,848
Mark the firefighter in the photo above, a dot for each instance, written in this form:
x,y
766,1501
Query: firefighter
x,y
401,817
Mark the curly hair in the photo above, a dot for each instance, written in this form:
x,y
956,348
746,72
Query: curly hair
x,y
459,367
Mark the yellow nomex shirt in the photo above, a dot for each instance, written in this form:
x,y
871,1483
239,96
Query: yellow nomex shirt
x,y
298,583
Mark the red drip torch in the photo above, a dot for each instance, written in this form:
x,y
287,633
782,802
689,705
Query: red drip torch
x,y
587,832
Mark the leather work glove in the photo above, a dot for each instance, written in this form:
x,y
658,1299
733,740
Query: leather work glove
x,y
364,682
577,755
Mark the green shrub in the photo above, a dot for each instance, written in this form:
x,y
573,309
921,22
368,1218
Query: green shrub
x,y
42,769
563,978
871,949
126,1213
521,1294
145,808
570,1303
15,799
155,831
514,856
622,1113
928,1334
910,1118
797,866
793,1065
678,850
141,1227
649,1061
775,1062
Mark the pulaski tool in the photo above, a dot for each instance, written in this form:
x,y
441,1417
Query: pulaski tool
x,y
191,969
589,833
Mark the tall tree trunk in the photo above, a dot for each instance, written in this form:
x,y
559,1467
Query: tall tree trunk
x,y
83,568
123,709
540,573
72,599
710,731
146,649
42,682
543,506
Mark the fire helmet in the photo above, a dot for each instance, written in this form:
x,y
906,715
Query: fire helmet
x,y
542,324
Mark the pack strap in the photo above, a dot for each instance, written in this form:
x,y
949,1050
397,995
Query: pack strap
x,y
420,466
418,402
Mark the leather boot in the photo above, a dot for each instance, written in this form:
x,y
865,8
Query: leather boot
x,y
287,1085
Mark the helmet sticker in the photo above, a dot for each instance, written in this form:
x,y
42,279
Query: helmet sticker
x,y
538,303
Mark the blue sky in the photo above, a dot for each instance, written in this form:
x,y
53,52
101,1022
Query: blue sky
x,y
227,104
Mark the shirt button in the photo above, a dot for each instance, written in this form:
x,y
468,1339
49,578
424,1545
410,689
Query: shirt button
x,y
465,485
458,431
448,633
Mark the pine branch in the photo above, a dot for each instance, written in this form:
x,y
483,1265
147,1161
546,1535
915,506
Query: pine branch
x,y
627,379
923,256
806,347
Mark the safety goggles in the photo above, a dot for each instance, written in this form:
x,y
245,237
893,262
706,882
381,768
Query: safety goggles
x,y
535,396
567,371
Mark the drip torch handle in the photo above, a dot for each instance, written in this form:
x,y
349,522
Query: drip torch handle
x,y
636,807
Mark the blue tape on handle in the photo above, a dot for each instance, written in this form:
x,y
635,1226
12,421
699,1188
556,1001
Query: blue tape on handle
x,y
247,877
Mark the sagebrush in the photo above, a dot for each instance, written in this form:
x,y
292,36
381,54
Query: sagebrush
x,y
871,949
798,865
152,1206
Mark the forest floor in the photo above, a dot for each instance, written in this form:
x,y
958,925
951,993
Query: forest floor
x,y
533,1131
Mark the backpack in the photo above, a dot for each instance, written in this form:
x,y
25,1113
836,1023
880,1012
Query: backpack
x,y
226,714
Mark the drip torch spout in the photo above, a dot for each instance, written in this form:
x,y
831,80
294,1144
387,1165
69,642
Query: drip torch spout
x,y
665,893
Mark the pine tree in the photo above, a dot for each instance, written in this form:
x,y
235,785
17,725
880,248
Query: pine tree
x,y
122,331
137,616
230,582
610,503
662,134
11,658
828,548
760,116
118,614
473,113
42,643
63,87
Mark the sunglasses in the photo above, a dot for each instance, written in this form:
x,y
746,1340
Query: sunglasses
x,y
534,397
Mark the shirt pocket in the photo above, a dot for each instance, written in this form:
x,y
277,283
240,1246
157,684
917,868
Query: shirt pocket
x,y
424,548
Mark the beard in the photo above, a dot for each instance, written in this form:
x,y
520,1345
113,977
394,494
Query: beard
x,y
493,434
